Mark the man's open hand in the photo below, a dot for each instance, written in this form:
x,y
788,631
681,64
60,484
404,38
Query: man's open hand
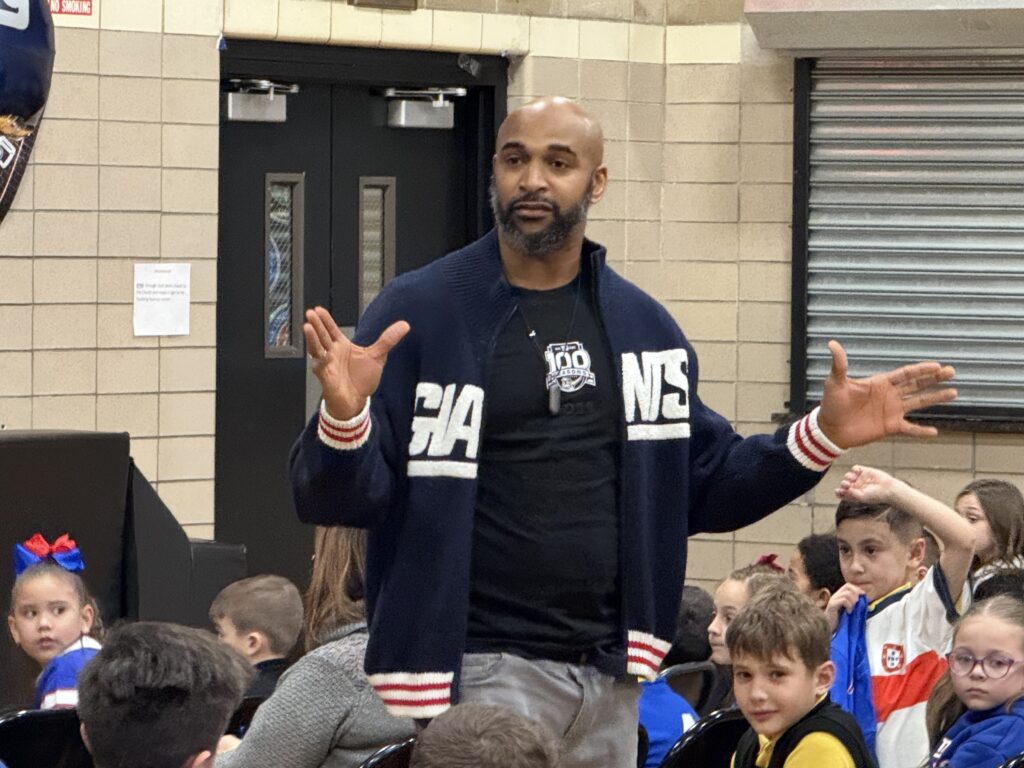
x,y
860,411
348,373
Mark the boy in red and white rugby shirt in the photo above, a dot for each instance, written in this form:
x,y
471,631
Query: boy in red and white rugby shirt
x,y
879,527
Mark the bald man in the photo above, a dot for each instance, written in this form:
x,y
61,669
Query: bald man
x,y
533,456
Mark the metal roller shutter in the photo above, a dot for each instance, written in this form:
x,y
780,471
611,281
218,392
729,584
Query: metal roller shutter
x,y
915,222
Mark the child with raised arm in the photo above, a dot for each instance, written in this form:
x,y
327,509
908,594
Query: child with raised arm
x,y
909,627
779,645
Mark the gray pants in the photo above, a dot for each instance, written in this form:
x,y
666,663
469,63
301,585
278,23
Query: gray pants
x,y
594,715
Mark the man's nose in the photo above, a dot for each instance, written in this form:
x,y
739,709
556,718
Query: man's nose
x,y
533,177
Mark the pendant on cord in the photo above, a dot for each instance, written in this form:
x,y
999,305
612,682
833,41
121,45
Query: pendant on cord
x,y
554,399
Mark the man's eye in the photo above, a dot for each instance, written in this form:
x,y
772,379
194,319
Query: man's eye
x,y
870,551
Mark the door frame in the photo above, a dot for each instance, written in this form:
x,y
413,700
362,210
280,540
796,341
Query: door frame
x,y
388,67
487,93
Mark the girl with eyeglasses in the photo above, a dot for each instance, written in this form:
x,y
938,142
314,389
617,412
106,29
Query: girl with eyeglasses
x,y
975,714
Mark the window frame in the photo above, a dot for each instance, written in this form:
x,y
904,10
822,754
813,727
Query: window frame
x,y
949,417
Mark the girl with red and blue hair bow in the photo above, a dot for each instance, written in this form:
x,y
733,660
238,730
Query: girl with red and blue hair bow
x,y
52,616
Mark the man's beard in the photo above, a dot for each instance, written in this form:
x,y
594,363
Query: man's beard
x,y
553,236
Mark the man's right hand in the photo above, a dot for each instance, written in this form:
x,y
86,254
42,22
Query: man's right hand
x,y
348,373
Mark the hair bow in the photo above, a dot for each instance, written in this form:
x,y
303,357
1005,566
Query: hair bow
x,y
64,552
769,560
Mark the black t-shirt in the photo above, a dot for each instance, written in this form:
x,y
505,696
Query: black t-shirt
x,y
544,576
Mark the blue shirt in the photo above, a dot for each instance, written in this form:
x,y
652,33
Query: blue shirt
x,y
58,684
665,715
984,739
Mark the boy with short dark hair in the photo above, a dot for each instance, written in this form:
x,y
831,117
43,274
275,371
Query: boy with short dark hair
x,y
260,617
779,646
481,736
158,696
879,528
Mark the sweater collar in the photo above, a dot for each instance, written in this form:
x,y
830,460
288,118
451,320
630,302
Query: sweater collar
x,y
477,279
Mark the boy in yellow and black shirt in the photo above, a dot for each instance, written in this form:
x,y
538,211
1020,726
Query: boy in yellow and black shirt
x,y
779,645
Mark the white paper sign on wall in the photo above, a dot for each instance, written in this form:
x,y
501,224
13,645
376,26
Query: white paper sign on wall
x,y
162,298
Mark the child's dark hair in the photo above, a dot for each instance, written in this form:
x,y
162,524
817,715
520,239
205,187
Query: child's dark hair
x,y
1005,581
1003,506
944,708
157,694
51,568
696,610
268,604
478,736
932,553
820,554
903,524
780,621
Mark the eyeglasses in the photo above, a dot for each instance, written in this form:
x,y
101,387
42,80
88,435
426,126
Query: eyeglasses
x,y
995,665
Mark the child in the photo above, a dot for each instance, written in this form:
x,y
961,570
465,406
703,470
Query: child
x,y
730,597
159,695
1005,581
666,710
261,618
324,712
978,709
51,616
479,736
779,645
909,627
995,511
814,567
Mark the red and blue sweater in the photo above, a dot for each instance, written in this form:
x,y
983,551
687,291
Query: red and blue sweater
x,y
406,468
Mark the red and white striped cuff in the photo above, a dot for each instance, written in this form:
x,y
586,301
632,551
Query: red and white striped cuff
x,y
344,435
645,653
414,694
809,445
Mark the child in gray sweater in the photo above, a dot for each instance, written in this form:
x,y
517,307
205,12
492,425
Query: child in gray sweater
x,y
323,713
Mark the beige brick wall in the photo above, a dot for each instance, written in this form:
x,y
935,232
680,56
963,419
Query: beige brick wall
x,y
698,125
124,171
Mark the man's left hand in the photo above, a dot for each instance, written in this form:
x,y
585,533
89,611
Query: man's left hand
x,y
860,411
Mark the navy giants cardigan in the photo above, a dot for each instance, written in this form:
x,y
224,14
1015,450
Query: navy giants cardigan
x,y
406,469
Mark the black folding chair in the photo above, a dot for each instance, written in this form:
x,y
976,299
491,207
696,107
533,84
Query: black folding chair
x,y
395,755
643,746
693,680
42,739
710,743
242,718
1014,762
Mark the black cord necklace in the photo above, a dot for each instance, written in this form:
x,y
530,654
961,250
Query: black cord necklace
x,y
550,382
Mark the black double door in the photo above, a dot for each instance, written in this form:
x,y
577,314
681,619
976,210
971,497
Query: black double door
x,y
321,209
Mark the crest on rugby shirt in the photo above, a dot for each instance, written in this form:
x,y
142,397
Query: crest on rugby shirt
x,y
568,366
893,657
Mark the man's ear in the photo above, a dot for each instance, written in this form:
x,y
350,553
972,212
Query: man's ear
x,y
824,677
202,760
85,737
599,183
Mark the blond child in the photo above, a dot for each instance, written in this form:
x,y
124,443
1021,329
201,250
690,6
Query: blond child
x,y
779,645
